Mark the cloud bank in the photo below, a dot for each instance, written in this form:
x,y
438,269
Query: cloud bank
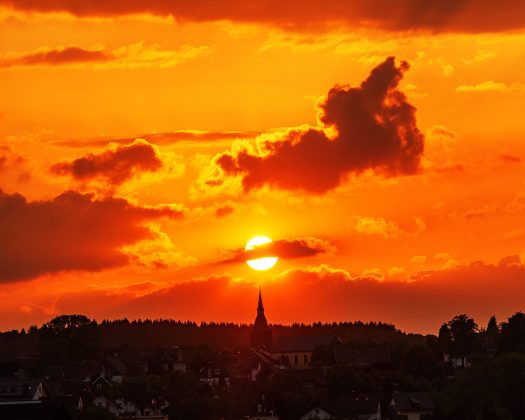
x,y
73,231
468,16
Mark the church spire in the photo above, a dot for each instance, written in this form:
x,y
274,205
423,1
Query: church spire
x,y
260,308
261,336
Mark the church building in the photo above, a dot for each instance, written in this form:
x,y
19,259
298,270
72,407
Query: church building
x,y
261,336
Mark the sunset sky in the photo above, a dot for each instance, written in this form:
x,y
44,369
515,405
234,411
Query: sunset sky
x,y
380,144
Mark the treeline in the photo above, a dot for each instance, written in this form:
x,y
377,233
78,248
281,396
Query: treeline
x,y
153,333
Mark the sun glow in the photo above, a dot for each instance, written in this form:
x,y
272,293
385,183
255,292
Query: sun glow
x,y
264,263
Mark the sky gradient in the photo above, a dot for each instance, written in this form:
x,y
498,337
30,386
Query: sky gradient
x,y
143,143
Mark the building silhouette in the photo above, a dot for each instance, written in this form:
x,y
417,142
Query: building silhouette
x,y
261,336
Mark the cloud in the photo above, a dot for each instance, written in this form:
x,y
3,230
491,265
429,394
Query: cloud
x,y
377,226
13,166
135,55
9,158
418,259
489,86
375,130
73,231
57,57
403,15
420,303
389,229
285,249
163,139
224,211
116,164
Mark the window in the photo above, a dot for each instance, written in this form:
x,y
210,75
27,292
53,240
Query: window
x,y
296,359
259,408
305,359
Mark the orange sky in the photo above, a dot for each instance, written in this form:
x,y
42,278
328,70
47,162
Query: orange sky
x,y
143,143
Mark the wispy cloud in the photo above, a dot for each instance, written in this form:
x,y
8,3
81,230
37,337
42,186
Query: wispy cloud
x,y
136,55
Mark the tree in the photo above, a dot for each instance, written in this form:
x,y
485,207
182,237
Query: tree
x,y
142,390
419,360
460,336
492,335
69,337
345,379
512,336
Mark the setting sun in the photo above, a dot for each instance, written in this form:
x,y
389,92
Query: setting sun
x,y
263,263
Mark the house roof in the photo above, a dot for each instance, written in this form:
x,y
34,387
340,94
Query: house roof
x,y
362,355
412,401
26,388
305,343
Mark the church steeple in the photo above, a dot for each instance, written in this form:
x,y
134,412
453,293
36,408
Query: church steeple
x,y
261,336
260,308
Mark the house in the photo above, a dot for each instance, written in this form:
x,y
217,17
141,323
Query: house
x,y
347,407
362,356
413,405
213,374
317,413
264,410
114,369
12,389
105,402
244,364
456,362
166,361
100,383
296,351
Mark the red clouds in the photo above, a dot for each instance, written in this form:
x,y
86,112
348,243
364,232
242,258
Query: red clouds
x,y
115,165
324,294
57,57
376,129
400,15
70,232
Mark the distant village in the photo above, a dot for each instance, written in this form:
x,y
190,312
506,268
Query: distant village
x,y
75,368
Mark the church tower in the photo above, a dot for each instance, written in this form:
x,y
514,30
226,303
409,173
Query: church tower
x,y
261,336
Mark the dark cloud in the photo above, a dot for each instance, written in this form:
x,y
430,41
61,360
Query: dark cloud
x,y
285,249
57,57
70,232
115,165
376,129
301,15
